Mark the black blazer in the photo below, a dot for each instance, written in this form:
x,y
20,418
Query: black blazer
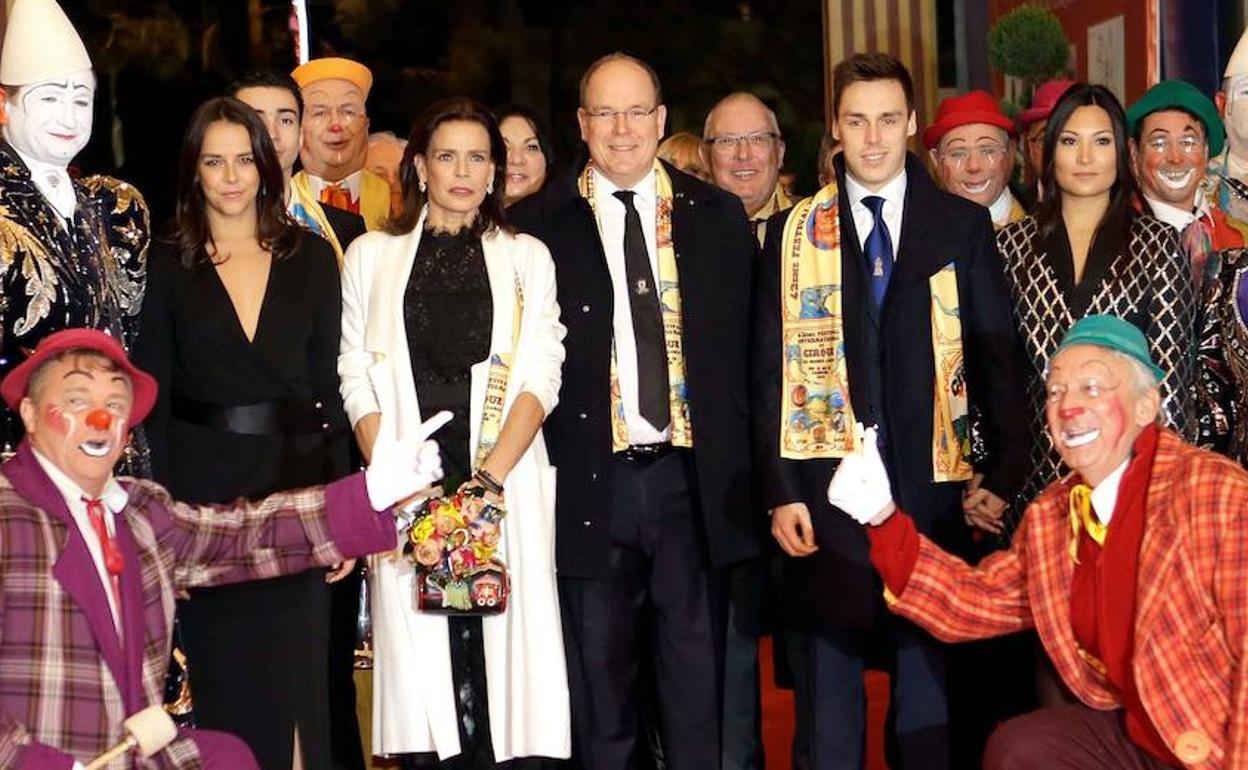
x,y
714,253
937,228
346,226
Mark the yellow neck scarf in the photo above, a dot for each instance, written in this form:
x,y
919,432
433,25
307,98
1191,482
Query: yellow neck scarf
x,y
669,305
1083,519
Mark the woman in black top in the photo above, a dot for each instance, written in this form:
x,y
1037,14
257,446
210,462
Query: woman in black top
x,y
240,326
1086,249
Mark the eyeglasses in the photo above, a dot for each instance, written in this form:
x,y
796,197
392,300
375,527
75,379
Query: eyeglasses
x,y
1188,145
728,143
988,153
346,114
631,115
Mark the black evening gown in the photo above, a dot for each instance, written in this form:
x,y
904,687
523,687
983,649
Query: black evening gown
x,y
448,311
257,651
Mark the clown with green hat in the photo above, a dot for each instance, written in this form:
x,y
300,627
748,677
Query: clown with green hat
x,y
1174,130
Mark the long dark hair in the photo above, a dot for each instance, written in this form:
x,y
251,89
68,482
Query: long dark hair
x,y
1122,193
192,237
536,122
490,215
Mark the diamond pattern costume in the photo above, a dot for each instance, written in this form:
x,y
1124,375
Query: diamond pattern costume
x,y
1148,283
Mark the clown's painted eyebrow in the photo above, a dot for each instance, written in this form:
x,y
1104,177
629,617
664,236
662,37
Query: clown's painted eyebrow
x,y
115,378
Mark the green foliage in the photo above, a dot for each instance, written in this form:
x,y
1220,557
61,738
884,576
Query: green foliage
x,y
1028,43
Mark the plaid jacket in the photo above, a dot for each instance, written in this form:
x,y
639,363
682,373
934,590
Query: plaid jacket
x,y
1191,627
66,678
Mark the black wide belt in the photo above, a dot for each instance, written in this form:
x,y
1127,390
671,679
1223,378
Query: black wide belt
x,y
280,417
644,453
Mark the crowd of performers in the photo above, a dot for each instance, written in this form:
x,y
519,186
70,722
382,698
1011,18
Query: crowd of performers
x,y
984,435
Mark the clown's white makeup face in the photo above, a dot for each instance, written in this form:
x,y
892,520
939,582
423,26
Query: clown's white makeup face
x,y
1235,114
78,418
50,121
1094,410
1170,157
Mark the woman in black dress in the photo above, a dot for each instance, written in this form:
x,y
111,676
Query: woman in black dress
x,y
240,327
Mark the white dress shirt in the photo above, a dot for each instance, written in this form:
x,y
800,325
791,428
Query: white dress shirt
x,y
1174,216
351,183
1105,494
894,195
610,211
1001,207
55,185
114,498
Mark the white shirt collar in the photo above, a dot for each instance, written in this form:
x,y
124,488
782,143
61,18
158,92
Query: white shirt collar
x,y
351,182
1105,494
61,195
114,495
1001,207
893,192
646,189
1172,215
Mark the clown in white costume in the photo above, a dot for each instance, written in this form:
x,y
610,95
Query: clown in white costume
x,y
1227,178
72,253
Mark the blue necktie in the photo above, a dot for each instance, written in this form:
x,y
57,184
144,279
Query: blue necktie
x,y
879,249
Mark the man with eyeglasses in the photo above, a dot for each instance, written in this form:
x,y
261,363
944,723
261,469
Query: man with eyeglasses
x,y
335,139
743,149
1174,129
973,152
651,435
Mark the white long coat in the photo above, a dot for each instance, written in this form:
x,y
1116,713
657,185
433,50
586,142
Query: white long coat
x,y
526,676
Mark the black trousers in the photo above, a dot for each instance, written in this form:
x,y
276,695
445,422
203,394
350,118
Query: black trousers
x,y
658,603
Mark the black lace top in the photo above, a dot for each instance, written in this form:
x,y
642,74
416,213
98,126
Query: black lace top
x,y
448,310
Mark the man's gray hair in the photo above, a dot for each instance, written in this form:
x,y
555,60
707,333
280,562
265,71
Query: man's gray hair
x,y
740,96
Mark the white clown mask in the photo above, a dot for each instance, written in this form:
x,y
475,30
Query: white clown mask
x,y
50,120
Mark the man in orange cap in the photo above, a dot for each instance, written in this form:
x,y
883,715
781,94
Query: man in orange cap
x,y
973,152
92,563
335,139
1032,123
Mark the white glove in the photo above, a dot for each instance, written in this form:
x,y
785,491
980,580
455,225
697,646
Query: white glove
x,y
860,486
401,468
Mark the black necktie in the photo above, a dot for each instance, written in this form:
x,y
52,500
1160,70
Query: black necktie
x,y
643,302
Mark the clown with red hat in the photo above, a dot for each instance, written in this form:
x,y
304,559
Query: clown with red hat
x,y
972,148
92,563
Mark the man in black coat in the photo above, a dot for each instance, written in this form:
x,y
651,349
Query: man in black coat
x,y
885,300
651,435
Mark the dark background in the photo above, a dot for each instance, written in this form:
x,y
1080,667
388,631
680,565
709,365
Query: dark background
x,y
157,60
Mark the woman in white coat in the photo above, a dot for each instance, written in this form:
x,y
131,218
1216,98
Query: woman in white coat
x,y
449,309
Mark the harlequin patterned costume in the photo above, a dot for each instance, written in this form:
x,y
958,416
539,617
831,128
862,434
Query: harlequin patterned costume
x,y
1148,284
54,277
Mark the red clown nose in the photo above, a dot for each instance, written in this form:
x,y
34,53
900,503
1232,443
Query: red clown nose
x,y
100,419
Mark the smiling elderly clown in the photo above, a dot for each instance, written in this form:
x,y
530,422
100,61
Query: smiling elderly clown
x,y
1133,569
91,564
1174,130
71,253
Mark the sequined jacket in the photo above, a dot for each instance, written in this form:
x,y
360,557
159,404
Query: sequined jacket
x,y
53,277
1222,365
1148,283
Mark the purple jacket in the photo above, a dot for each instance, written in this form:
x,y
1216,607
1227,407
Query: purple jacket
x,y
66,678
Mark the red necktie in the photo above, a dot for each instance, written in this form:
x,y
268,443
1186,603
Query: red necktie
x,y
339,197
113,561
